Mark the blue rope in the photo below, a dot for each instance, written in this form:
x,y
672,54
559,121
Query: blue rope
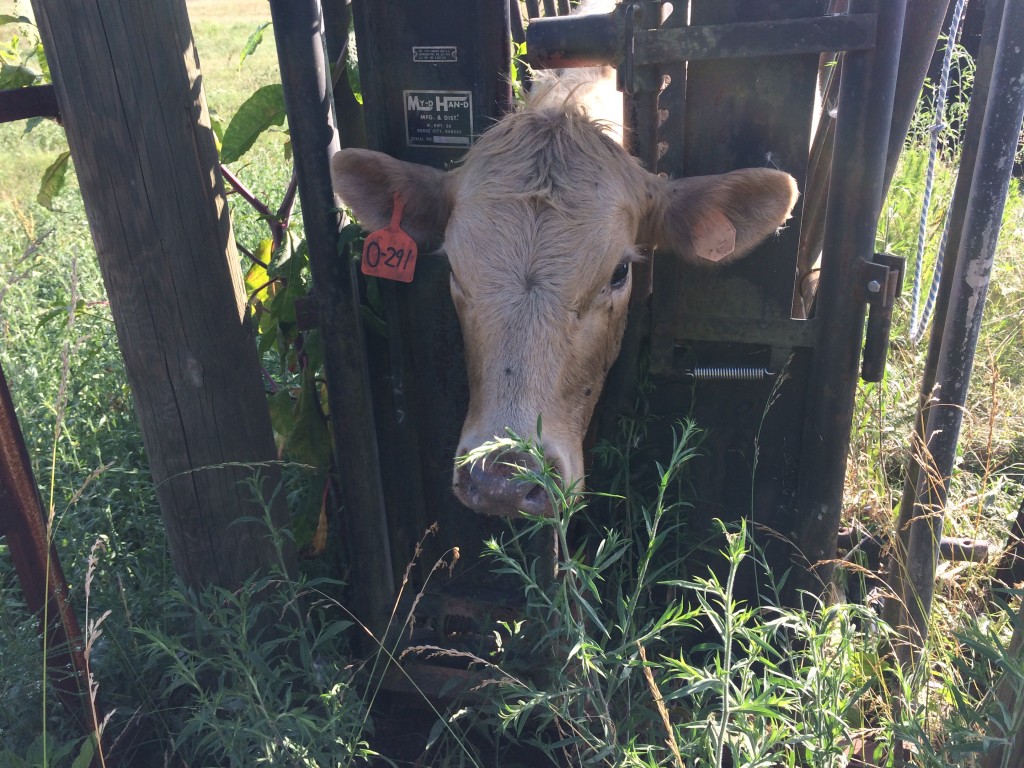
x,y
919,323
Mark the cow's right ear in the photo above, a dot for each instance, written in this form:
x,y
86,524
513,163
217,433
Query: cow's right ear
x,y
718,218
366,181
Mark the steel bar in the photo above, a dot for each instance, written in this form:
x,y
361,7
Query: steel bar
x,y
37,564
1007,693
304,74
598,39
953,549
943,414
894,610
920,34
774,332
865,102
815,194
515,15
1011,566
34,101
762,38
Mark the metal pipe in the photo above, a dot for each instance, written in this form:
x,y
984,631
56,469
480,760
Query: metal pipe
x,y
920,34
32,101
38,567
868,78
515,15
593,40
944,412
298,32
893,610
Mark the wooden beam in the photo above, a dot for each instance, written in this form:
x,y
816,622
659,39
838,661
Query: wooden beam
x,y
127,79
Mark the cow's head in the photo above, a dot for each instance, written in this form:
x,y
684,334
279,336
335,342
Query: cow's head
x,y
541,224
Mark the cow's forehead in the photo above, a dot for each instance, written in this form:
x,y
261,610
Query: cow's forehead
x,y
544,195
556,154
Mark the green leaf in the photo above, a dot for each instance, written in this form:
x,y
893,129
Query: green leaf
x,y
218,129
6,18
53,180
282,411
85,754
10,760
257,281
253,42
265,108
44,65
16,76
309,442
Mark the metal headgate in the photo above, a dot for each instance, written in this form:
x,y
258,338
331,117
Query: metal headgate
x,y
775,392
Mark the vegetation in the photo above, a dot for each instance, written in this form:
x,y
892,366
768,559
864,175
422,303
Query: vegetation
x,y
263,675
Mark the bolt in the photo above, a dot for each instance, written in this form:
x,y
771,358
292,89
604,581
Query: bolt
x,y
874,286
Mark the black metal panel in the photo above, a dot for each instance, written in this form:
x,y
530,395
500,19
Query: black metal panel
x,y
388,30
749,112
421,362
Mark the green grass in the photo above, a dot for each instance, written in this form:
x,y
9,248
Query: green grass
x,y
988,481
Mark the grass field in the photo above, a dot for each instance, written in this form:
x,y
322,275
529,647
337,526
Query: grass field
x,y
210,696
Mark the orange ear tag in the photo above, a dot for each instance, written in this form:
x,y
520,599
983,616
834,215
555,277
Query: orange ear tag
x,y
390,253
713,236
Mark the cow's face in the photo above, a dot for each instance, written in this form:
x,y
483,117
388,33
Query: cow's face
x,y
541,225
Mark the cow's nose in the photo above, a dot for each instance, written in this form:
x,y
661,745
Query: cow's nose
x,y
494,485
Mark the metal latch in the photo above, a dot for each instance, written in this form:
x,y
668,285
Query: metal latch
x,y
880,284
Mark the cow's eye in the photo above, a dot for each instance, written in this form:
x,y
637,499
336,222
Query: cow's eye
x,y
620,274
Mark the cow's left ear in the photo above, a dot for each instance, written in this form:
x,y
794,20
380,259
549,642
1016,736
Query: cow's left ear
x,y
367,182
718,218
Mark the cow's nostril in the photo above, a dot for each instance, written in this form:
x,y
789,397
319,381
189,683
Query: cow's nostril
x,y
536,495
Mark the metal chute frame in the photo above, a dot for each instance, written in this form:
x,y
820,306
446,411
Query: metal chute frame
x,y
741,92
803,437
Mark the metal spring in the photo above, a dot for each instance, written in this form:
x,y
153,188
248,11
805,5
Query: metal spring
x,y
728,373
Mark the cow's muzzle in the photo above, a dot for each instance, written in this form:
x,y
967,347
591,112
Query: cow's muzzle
x,y
496,485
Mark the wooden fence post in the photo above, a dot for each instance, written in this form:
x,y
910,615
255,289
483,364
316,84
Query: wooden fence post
x,y
130,93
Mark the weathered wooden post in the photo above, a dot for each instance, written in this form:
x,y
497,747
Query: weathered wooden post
x,y
131,98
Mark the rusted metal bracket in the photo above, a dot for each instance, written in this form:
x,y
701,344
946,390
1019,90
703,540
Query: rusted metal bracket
x,y
879,285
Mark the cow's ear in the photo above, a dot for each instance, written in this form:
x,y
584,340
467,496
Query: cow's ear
x,y
718,218
366,181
